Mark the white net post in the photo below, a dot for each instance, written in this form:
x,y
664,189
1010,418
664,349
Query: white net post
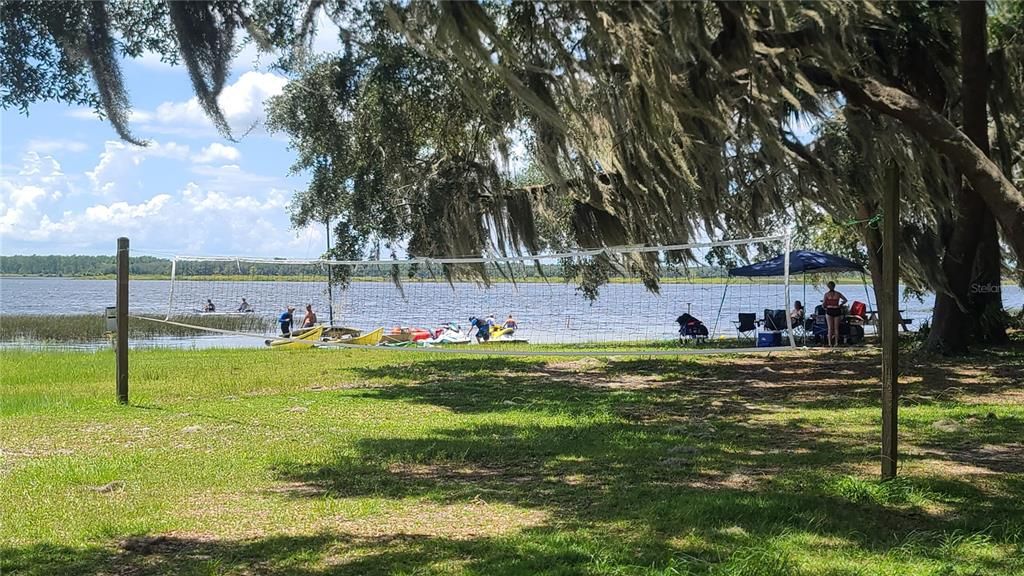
x,y
785,267
170,296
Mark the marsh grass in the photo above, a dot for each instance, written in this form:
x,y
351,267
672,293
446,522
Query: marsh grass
x,y
92,327
371,462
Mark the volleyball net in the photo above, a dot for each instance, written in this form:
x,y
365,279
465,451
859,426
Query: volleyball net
x,y
583,302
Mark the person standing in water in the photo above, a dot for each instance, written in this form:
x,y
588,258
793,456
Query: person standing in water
x,y
287,320
510,324
833,302
244,306
483,328
310,318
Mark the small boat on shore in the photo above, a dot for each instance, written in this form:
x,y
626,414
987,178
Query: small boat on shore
x,y
305,339
507,340
368,339
403,335
332,332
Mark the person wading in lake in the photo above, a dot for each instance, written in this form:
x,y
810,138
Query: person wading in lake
x,y
244,306
483,328
287,320
310,318
833,302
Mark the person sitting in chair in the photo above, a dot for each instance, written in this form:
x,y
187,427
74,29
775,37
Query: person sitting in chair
x,y
796,315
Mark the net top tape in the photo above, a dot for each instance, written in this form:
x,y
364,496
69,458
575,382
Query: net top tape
x,y
632,249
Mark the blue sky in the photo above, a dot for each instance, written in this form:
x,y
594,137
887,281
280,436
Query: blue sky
x,y
70,186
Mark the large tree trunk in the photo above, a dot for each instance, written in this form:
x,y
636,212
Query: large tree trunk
x,y
951,321
963,307
985,301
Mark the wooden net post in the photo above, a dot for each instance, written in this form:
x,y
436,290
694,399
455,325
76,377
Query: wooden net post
x,y
122,320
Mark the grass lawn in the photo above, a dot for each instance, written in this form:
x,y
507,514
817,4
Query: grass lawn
x,y
365,462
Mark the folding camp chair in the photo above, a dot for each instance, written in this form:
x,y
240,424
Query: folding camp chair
x,y
746,326
774,320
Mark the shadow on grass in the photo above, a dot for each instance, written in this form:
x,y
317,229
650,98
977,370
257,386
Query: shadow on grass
x,y
656,468
334,553
544,550
798,381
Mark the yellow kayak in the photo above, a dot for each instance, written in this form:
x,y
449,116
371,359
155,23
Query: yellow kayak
x,y
305,339
368,339
498,331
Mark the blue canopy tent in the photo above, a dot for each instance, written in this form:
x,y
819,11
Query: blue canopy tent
x,y
800,261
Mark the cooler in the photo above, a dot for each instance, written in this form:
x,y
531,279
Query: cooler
x,y
769,339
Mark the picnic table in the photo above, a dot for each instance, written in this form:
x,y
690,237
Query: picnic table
x,y
872,318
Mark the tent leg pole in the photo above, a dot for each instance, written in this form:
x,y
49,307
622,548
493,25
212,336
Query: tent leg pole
x,y
720,305
785,267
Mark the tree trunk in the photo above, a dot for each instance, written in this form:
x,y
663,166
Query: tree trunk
x,y
951,322
985,301
962,308
873,241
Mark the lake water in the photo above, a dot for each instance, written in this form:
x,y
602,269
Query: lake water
x,y
546,312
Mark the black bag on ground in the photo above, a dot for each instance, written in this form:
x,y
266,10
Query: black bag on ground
x,y
691,327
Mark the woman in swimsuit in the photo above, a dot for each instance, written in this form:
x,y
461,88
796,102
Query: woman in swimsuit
x,y
833,301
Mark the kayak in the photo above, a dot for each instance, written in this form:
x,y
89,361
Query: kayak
x,y
341,332
306,339
402,334
368,339
498,332
506,341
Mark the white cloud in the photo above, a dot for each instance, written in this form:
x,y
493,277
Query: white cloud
x,y
49,146
118,160
228,212
24,195
120,213
217,152
242,103
90,114
193,220
232,178
37,166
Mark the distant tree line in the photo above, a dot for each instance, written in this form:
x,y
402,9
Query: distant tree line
x,y
99,266
79,266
